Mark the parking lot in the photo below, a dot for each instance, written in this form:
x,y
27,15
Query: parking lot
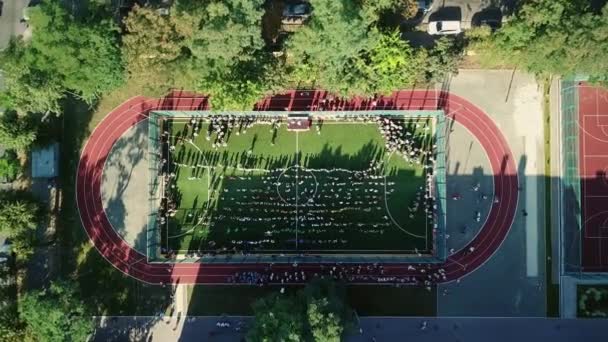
x,y
468,12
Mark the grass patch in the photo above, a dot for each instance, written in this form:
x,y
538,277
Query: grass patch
x,y
272,190
592,301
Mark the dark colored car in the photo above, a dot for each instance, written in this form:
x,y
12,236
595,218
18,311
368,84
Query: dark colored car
x,y
296,12
491,17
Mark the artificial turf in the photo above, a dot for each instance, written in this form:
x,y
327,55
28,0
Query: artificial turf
x,y
255,177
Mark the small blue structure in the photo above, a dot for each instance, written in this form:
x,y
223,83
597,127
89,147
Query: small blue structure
x,y
45,161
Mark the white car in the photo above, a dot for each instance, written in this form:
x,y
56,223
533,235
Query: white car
x,y
444,27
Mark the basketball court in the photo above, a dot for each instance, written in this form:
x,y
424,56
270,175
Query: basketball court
x,y
593,166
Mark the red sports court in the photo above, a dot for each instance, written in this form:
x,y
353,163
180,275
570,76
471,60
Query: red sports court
x,y
593,168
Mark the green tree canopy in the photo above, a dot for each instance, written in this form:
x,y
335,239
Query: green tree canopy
x,y
323,52
441,60
316,313
84,52
9,166
152,40
16,133
28,89
327,311
64,54
374,9
557,36
340,49
19,217
390,64
56,314
11,328
226,32
324,323
277,318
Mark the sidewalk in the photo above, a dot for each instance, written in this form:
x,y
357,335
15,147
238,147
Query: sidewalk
x,y
383,329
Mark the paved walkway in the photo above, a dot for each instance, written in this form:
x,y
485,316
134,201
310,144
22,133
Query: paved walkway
x,y
512,282
10,20
124,186
384,329
467,166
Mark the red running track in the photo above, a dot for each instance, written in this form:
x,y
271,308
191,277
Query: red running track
x,y
122,256
593,168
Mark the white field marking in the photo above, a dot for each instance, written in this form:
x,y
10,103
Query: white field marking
x,y
389,212
297,174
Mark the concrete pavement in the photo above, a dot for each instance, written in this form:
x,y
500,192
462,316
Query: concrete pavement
x,y
10,21
125,178
513,101
383,329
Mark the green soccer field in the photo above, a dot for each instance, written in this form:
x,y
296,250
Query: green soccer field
x,y
335,189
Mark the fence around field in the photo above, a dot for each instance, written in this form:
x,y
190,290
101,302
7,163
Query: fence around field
x,y
571,182
439,240
154,187
156,191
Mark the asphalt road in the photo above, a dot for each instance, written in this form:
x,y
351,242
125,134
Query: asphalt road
x,y
10,25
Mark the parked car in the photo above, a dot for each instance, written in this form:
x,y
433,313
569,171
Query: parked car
x,y
491,17
445,27
296,12
493,24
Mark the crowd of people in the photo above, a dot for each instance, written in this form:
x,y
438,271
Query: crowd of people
x,y
332,210
407,142
319,209
418,275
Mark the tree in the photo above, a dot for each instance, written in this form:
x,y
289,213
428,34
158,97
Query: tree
x,y
277,318
441,60
16,133
327,312
556,36
390,64
19,217
9,166
227,32
241,87
373,9
152,40
316,313
324,324
11,328
64,54
56,313
84,52
28,89
323,52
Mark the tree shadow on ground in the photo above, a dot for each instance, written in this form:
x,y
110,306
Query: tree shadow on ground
x,y
105,290
451,13
124,157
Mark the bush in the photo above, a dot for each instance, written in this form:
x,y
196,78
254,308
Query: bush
x,y
19,218
10,167
16,133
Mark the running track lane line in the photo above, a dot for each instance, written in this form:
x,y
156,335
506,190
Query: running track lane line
x,y
114,249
